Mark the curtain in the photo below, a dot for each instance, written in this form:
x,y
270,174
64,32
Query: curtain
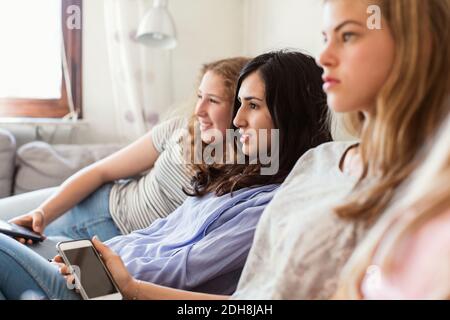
x,y
141,76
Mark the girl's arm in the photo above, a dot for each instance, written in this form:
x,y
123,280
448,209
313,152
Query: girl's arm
x,y
130,161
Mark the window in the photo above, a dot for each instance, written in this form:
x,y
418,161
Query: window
x,y
32,82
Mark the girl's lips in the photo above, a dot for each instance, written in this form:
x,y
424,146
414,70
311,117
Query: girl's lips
x,y
329,83
244,138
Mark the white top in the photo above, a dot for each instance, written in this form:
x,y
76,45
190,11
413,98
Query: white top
x,y
137,203
300,244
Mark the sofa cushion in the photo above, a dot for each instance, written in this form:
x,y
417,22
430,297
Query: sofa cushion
x,y
7,156
41,165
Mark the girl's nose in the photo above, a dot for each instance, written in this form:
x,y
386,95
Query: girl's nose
x,y
239,120
327,57
201,109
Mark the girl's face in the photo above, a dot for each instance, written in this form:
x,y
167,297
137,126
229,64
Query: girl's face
x,y
213,109
356,60
253,117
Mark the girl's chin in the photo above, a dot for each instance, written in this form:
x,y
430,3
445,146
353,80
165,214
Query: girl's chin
x,y
343,106
207,138
245,150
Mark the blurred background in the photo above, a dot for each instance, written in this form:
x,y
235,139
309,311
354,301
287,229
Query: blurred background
x,y
79,79
205,30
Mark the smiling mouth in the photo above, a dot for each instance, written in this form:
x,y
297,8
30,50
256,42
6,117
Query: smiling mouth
x,y
205,126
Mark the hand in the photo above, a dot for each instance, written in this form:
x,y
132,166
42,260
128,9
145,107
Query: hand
x,y
65,271
113,262
116,267
34,221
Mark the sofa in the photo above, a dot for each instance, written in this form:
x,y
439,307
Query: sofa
x,y
39,165
7,162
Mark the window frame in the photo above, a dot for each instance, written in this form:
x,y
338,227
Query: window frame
x,y
55,108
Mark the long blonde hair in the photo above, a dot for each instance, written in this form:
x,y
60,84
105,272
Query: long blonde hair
x,y
427,197
409,107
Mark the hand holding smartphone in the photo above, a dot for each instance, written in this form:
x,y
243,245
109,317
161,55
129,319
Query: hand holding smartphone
x,y
96,282
16,231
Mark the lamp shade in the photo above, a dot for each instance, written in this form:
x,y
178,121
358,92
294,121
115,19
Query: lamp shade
x,y
157,28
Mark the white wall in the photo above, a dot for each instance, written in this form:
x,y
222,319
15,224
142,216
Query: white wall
x,y
207,30
277,24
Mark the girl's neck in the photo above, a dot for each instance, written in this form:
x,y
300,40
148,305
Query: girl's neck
x,y
352,164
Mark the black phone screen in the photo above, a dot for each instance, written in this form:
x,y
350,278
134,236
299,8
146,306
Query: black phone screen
x,y
15,230
93,277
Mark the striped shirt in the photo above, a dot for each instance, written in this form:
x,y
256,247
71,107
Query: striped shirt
x,y
136,203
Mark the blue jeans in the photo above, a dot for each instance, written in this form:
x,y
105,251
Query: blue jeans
x,y
89,218
26,275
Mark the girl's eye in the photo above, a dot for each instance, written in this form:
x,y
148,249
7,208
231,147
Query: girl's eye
x,y
347,36
199,96
253,106
213,101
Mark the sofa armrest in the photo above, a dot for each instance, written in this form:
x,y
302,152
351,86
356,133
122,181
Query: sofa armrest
x,y
41,165
7,162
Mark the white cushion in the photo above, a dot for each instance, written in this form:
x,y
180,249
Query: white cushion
x,y
41,165
7,156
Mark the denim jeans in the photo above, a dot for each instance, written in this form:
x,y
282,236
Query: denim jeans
x,y
89,218
26,275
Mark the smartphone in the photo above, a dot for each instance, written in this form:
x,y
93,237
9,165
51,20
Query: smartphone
x,y
16,231
94,279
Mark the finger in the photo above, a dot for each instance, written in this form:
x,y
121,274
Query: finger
x,y
30,241
59,265
38,223
70,281
23,220
58,258
21,240
64,270
102,248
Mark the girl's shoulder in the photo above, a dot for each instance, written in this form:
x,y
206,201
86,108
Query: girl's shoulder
x,y
169,132
173,124
323,159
